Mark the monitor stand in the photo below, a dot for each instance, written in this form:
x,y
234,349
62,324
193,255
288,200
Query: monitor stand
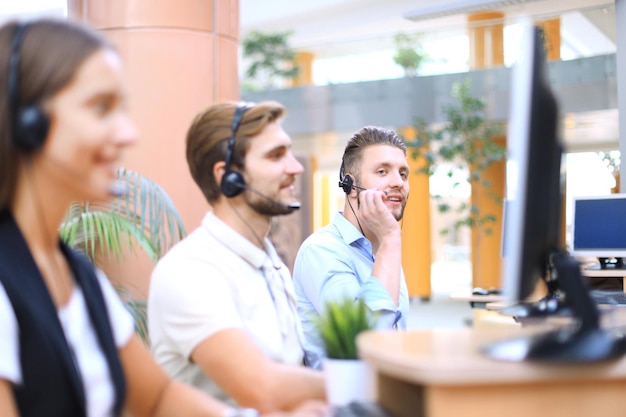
x,y
552,304
584,341
611,263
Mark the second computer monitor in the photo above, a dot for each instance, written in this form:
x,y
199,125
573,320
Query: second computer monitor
x,y
599,226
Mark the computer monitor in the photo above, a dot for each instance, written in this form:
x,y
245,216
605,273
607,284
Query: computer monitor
x,y
533,171
599,228
533,221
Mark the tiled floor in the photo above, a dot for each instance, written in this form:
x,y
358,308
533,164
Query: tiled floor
x,y
440,311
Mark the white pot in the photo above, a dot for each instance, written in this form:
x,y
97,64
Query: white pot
x,y
348,380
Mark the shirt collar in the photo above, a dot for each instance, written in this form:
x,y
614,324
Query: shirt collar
x,y
238,244
348,232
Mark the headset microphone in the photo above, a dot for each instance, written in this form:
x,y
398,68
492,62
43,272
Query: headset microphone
x,y
118,189
348,185
290,206
346,182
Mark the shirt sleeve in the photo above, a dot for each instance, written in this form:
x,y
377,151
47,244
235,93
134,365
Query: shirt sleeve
x,y
326,274
190,300
120,318
9,343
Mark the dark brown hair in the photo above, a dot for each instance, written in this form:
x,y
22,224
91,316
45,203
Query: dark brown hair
x,y
50,54
207,140
366,136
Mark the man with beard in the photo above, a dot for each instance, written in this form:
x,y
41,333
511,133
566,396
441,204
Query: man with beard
x,y
221,309
358,255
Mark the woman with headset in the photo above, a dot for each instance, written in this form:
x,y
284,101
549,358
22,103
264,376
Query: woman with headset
x,y
67,346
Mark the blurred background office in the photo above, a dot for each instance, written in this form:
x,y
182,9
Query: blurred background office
x,y
182,56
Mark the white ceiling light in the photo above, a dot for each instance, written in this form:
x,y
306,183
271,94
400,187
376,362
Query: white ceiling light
x,y
459,7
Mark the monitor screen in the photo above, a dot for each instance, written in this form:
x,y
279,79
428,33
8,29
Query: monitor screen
x,y
533,183
599,226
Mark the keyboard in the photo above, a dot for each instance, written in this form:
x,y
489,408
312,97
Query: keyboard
x,y
360,409
613,297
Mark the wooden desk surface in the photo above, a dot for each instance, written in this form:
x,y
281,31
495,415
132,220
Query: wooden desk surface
x,y
441,373
468,296
452,357
593,270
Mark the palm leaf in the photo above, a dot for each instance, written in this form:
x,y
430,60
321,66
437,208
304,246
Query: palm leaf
x,y
144,216
104,234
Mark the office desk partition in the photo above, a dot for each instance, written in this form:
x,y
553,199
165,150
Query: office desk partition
x,y
441,373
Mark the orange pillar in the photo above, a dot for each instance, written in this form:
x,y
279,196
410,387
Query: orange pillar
x,y
616,189
487,238
552,38
416,244
304,60
180,56
486,33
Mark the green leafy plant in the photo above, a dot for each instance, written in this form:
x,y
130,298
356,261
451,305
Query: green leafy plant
x,y
611,159
340,323
270,57
466,142
409,52
145,216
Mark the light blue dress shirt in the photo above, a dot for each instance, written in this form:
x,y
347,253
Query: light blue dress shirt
x,y
334,262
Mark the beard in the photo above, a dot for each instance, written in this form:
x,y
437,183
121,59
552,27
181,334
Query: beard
x,y
401,214
265,205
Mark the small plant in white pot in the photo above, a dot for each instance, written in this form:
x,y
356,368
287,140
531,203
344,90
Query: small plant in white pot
x,y
348,378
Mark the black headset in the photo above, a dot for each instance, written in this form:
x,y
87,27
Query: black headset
x,y
233,183
346,182
29,123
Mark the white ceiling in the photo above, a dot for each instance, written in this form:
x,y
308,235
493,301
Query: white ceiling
x,y
334,27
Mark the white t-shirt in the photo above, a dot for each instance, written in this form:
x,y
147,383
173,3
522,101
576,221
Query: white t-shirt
x,y
82,339
215,279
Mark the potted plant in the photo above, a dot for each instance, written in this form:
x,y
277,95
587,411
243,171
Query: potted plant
x,y
612,161
144,216
467,142
409,53
348,378
270,59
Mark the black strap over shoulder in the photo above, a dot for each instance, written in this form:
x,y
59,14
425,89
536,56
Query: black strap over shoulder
x,y
51,383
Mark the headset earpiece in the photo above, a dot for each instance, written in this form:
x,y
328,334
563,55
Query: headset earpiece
x,y
31,128
30,124
233,183
347,183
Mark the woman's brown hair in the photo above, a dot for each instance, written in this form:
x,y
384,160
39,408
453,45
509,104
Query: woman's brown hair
x,y
50,53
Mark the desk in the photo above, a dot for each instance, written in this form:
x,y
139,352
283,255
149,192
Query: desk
x,y
482,315
476,301
594,271
440,373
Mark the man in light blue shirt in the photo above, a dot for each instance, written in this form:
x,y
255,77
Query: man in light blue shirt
x,y
359,254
